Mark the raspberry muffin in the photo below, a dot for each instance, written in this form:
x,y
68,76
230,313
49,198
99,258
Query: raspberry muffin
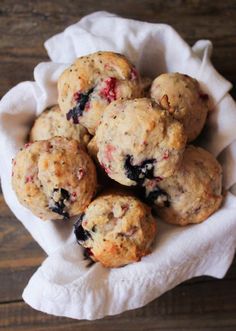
x,y
182,97
52,122
54,178
92,82
116,229
137,140
193,193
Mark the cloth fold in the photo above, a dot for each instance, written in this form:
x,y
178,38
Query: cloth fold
x,y
64,285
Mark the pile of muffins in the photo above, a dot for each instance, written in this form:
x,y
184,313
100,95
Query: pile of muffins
x,y
114,152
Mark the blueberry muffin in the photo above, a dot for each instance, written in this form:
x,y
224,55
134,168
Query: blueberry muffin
x,y
116,229
92,82
137,140
54,178
193,193
182,97
52,122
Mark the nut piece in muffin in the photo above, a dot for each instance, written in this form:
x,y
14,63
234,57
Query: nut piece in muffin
x,y
92,82
116,229
137,140
55,178
52,122
193,193
181,95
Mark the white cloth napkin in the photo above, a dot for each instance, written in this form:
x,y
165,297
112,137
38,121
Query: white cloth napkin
x,y
64,285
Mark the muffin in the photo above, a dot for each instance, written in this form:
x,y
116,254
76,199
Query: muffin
x,y
54,178
182,97
92,82
116,229
137,140
52,122
193,193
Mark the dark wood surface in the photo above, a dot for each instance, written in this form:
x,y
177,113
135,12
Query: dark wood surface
x,y
200,304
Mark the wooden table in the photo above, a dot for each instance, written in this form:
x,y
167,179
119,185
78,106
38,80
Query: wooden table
x,y
200,304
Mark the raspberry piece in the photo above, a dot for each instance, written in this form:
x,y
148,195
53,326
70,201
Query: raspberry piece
x,y
107,170
73,196
80,173
29,179
109,91
166,155
108,152
27,145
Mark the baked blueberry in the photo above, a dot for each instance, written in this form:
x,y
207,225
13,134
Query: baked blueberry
x,y
80,233
138,173
58,202
81,102
158,196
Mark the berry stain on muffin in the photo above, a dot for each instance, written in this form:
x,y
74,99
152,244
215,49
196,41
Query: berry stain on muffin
x,y
29,179
82,100
108,152
109,91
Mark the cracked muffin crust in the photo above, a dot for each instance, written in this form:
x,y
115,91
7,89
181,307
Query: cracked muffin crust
x,y
116,229
52,122
193,193
92,82
54,178
137,140
181,95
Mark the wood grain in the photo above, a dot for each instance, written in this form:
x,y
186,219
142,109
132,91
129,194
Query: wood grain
x,y
19,255
210,304
25,25
201,304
